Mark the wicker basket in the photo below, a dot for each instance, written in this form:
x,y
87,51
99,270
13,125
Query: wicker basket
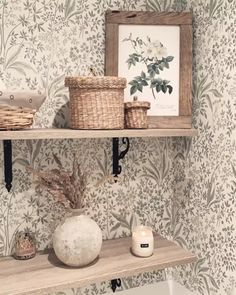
x,y
136,114
96,102
15,117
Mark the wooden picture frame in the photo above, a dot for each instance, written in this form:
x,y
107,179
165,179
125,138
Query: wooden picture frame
x,y
182,19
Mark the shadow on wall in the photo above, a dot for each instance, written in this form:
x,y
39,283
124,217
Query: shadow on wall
x,y
61,119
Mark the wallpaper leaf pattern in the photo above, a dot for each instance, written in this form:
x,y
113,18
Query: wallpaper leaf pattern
x,y
184,188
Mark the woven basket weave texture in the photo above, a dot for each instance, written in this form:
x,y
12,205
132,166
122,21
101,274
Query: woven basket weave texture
x,y
96,102
12,117
136,114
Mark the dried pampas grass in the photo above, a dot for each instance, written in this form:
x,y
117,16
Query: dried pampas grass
x,y
67,188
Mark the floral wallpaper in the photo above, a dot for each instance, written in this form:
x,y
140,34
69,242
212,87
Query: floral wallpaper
x,y
184,188
208,214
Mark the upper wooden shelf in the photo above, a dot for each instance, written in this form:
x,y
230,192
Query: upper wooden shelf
x,y
44,273
70,133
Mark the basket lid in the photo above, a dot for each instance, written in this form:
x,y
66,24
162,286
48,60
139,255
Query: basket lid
x,y
137,104
95,82
17,109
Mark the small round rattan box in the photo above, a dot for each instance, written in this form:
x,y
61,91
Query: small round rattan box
x,y
136,114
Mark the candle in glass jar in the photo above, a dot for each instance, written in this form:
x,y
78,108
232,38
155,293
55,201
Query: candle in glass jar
x,y
142,241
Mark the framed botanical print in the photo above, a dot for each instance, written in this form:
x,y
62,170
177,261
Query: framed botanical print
x,y
154,52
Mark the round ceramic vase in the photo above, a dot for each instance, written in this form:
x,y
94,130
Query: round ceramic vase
x,y
77,241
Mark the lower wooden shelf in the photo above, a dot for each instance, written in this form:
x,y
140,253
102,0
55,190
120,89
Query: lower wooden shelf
x,y
44,273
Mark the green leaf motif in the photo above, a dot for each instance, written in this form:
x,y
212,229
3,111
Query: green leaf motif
x,y
158,88
144,83
164,88
122,220
115,227
154,5
153,83
152,73
161,67
57,160
132,60
69,8
133,89
167,65
37,150
23,21
166,82
216,93
21,161
213,282
13,57
20,67
153,70
133,83
140,87
214,6
170,88
169,58
234,170
143,75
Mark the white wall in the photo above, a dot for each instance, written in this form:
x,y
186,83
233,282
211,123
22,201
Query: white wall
x,y
162,288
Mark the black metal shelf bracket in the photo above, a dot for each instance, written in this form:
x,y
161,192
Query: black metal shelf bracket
x,y
117,156
115,283
7,150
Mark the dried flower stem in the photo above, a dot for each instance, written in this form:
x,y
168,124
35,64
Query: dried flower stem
x,y
68,189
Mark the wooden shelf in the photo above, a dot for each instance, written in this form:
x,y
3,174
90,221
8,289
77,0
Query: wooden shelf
x,y
44,273
69,133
